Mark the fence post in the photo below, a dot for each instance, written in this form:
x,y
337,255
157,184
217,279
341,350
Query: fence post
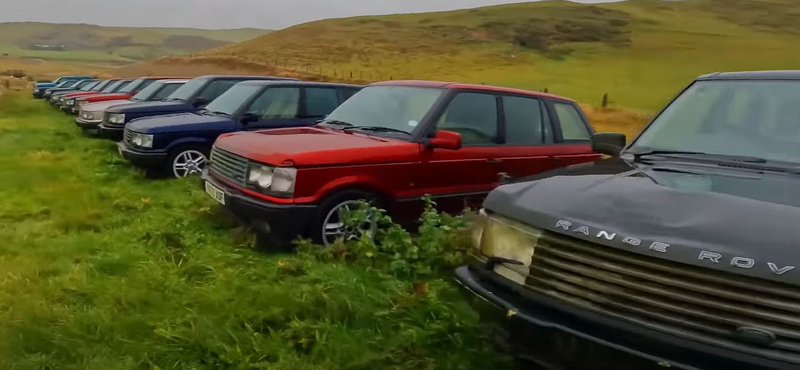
x,y
605,101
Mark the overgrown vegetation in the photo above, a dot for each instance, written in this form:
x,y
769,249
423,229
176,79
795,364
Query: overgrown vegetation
x,y
105,269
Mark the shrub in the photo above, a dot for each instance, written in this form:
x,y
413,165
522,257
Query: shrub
x,y
440,245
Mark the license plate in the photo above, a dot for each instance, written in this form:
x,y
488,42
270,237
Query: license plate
x,y
215,193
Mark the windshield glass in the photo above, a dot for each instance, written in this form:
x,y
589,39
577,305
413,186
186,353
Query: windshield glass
x,y
70,84
133,86
229,102
738,118
113,87
393,107
188,90
102,85
63,84
148,92
88,85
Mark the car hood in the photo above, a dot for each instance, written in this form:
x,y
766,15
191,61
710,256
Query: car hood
x,y
80,94
154,107
105,97
736,214
184,122
103,105
316,146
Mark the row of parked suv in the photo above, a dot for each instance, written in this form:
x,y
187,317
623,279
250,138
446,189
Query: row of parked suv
x,y
676,251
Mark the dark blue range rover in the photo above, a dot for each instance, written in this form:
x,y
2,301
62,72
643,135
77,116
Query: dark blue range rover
x,y
196,94
179,144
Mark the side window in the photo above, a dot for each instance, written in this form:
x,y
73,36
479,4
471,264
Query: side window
x,y
347,93
166,91
217,88
472,115
525,121
572,125
320,102
279,102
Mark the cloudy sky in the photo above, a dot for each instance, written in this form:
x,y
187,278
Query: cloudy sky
x,y
273,14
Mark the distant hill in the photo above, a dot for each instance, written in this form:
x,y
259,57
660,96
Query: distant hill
x,y
640,52
89,43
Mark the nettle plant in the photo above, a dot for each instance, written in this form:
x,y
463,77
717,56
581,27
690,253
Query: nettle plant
x,y
440,243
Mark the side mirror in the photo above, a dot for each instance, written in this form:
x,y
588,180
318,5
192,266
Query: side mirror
x,y
609,143
248,117
200,102
445,140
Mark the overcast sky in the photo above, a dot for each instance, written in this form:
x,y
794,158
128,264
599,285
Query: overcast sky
x,y
216,14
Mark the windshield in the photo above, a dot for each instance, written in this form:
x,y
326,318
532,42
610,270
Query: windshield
x,y
113,87
735,118
188,90
63,84
148,92
102,85
88,86
229,102
70,84
135,85
393,107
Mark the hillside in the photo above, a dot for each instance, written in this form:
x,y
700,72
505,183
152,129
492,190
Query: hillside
x,y
89,43
640,52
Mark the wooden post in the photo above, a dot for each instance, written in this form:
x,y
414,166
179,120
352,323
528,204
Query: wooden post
x,y
605,101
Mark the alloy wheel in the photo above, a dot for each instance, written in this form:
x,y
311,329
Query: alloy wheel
x,y
188,163
335,227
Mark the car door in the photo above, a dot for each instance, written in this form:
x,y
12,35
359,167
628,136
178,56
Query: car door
x,y
459,178
572,133
276,107
527,136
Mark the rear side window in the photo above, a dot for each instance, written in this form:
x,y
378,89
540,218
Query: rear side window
x,y
525,121
216,88
279,102
572,125
472,115
320,102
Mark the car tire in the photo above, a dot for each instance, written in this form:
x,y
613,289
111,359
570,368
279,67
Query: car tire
x,y
186,160
322,230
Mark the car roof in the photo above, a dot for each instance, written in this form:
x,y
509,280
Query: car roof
x,y
245,77
752,75
297,83
463,86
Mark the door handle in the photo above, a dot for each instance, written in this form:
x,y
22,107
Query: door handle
x,y
494,161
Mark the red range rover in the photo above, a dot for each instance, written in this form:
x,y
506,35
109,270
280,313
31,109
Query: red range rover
x,y
391,144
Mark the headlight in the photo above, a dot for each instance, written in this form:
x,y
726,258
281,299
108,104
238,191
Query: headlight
x,y
81,103
88,115
70,102
61,99
278,181
116,118
142,140
500,239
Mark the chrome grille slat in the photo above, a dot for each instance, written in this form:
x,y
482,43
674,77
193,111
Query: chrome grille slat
x,y
127,136
229,165
680,299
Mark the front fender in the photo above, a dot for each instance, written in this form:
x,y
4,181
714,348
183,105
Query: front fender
x,y
193,140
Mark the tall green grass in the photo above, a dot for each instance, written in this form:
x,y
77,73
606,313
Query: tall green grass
x,y
101,268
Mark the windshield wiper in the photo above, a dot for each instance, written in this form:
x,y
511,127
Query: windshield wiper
x,y
335,122
377,129
724,157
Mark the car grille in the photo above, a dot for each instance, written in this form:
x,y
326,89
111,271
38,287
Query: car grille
x,y
107,118
128,136
692,302
229,165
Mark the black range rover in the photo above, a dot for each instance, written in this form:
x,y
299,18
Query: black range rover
x,y
681,250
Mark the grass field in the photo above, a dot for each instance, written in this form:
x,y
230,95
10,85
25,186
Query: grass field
x,y
105,269
640,52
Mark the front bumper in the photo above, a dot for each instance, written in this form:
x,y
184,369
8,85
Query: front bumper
x,y
87,125
38,94
66,109
285,222
146,159
551,332
111,132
